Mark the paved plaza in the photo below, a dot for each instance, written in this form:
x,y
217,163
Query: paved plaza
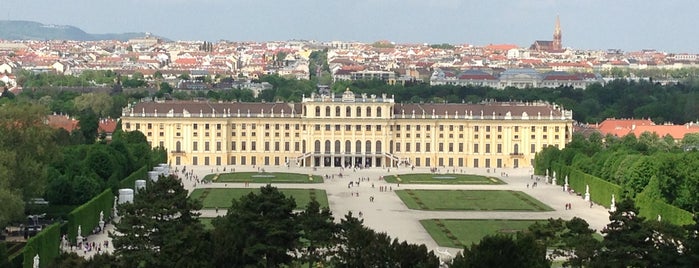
x,y
389,214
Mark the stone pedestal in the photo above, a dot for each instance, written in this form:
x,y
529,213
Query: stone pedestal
x,y
140,185
125,195
565,187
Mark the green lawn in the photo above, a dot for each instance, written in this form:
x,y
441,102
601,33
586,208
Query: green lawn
x,y
222,197
428,178
470,200
459,233
263,177
207,223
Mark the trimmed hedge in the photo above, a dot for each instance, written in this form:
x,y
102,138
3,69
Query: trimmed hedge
x,y
651,208
601,193
88,215
46,243
130,181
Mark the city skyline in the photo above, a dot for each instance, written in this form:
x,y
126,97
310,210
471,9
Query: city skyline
x,y
592,24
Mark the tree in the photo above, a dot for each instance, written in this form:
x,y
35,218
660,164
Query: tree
x,y
318,232
88,125
578,240
504,251
161,228
26,149
360,246
99,103
258,230
627,240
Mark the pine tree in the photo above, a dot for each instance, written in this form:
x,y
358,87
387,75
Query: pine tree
x,y
161,228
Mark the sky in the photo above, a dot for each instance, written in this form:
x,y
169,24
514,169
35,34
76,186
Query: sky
x,y
630,25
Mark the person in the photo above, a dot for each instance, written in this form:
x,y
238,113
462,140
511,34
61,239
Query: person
x,y
360,214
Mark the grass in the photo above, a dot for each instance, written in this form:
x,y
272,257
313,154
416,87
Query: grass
x,y
429,178
222,197
460,233
207,222
488,200
263,177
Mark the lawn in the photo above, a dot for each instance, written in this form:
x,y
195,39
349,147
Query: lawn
x,y
264,177
470,200
429,178
222,197
459,233
207,222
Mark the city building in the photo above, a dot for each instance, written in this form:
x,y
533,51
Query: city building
x,y
351,130
518,78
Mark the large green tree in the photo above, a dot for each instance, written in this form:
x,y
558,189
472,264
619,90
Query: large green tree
x,y
26,149
258,230
627,241
502,250
318,233
161,228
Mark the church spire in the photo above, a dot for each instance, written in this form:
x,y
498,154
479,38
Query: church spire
x,y
557,44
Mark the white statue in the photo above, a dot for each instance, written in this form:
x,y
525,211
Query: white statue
x,y
114,209
36,261
79,238
587,192
101,222
612,207
659,218
566,179
565,186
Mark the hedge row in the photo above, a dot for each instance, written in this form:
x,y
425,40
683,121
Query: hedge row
x,y
601,193
87,215
46,243
130,181
654,207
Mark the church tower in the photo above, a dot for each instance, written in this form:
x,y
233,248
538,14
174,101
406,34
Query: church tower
x,y
557,45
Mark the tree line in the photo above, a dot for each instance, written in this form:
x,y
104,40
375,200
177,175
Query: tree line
x,y
648,163
677,103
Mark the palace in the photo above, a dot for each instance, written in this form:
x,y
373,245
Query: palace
x,y
351,130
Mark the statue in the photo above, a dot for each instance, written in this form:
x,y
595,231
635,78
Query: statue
x,y
114,209
101,222
587,192
36,261
565,186
612,207
79,238
659,218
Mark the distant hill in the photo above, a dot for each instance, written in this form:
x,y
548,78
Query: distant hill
x,y
30,30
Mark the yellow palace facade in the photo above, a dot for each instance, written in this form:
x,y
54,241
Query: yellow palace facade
x,y
351,130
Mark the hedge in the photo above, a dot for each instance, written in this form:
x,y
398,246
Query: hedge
x,y
651,208
601,193
87,215
130,181
46,243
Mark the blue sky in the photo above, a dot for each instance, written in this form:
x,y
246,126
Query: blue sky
x,y
667,25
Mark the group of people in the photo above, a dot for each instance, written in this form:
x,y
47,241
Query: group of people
x,y
89,247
